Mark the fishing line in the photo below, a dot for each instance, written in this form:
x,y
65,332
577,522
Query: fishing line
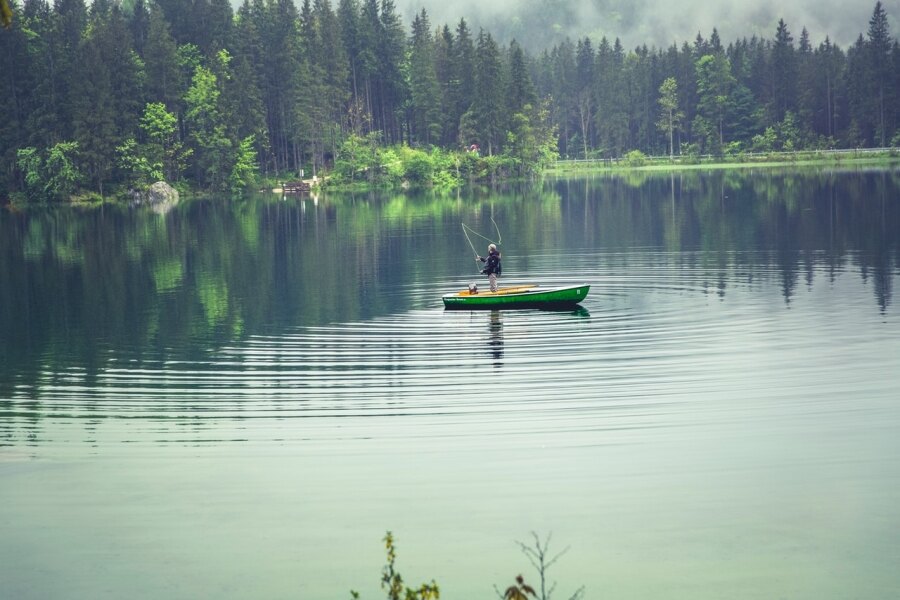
x,y
466,229
487,239
465,233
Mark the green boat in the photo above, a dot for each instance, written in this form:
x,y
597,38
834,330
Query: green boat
x,y
523,296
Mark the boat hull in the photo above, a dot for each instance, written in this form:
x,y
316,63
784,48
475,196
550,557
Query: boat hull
x,y
529,296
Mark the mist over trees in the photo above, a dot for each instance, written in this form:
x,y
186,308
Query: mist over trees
x,y
113,96
540,24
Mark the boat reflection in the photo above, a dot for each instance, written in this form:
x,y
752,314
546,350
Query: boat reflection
x,y
495,338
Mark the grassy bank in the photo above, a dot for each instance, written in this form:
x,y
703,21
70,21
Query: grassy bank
x,y
637,161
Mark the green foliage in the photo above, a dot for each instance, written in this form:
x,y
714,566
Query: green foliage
x,y
635,158
61,173
213,148
392,581
31,165
669,115
357,159
53,175
243,173
340,89
531,142
140,172
714,86
362,160
161,157
765,141
419,167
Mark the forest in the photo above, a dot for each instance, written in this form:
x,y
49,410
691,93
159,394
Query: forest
x,y
113,96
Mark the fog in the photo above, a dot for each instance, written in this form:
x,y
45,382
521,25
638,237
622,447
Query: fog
x,y
540,23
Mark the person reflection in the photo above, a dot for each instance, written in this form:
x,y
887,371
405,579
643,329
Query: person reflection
x,y
495,338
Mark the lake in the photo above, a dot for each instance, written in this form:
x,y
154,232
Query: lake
x,y
237,399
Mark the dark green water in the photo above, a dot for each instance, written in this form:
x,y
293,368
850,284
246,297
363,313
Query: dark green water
x,y
237,399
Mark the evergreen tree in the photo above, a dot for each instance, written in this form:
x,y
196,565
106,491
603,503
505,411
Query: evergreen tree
x,y
443,68
349,20
139,24
486,109
423,83
520,90
611,115
783,71
212,150
164,82
878,45
14,58
392,87
93,113
333,60
828,68
562,89
860,130
69,22
462,84
246,85
714,86
806,96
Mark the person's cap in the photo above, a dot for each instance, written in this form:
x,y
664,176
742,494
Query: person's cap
x,y
492,247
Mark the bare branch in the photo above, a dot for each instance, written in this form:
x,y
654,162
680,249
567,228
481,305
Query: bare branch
x,y
538,553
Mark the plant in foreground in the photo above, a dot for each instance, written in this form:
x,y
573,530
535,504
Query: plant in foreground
x,y
538,553
392,581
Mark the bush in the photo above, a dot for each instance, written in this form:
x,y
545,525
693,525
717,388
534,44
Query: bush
x,y
418,167
391,166
635,158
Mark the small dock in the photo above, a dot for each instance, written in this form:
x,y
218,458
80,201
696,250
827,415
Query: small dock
x,y
295,187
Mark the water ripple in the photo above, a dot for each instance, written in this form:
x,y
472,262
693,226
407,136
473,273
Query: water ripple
x,y
650,348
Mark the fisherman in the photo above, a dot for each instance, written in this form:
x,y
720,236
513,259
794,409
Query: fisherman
x,y
492,266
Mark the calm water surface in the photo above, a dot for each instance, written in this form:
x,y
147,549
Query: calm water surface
x,y
237,399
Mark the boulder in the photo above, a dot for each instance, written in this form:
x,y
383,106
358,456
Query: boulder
x,y
160,197
162,192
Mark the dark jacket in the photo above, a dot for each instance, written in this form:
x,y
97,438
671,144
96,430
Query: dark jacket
x,y
492,263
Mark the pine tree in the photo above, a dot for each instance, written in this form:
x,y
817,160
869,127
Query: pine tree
x,y
561,88
878,45
462,85
348,15
487,115
139,24
714,86
611,115
443,69
249,111
806,96
14,59
207,133
93,113
333,61
424,89
520,90
828,67
860,129
164,82
393,92
783,72
585,80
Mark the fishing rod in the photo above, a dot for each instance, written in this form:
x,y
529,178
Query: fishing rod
x,y
466,229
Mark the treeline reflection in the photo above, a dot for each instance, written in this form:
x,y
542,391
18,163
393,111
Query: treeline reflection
x,y
749,220
81,285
